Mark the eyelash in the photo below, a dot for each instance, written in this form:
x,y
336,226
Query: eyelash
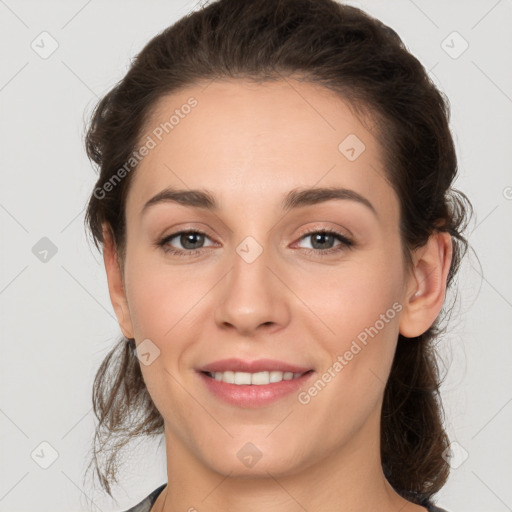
x,y
346,243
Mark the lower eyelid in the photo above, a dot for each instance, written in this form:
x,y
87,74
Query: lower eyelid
x,y
344,241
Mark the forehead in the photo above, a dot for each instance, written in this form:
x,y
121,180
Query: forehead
x,y
256,141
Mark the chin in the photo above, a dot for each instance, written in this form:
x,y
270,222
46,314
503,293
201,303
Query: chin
x,y
253,459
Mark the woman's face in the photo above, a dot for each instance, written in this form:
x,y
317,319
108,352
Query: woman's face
x,y
258,279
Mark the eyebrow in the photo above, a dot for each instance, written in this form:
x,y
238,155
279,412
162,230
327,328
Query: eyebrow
x,y
294,199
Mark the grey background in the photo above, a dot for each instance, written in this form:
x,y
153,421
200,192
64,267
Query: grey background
x,y
57,322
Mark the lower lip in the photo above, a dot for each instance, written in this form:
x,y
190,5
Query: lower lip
x,y
250,395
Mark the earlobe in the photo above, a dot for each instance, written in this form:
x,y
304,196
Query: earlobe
x,y
115,283
426,288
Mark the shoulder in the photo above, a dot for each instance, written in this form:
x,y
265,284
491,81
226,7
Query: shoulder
x,y
146,504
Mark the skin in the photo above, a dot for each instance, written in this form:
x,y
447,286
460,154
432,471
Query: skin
x,y
250,144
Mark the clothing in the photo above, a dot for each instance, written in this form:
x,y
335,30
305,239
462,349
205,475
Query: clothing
x,y
146,504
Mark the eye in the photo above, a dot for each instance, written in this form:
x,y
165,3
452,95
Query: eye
x,y
321,242
191,241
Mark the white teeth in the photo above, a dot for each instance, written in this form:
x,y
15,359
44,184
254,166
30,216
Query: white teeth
x,y
242,378
257,379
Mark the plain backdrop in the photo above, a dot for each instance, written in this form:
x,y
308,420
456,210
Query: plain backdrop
x,y
57,322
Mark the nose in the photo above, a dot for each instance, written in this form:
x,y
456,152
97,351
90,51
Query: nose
x,y
253,297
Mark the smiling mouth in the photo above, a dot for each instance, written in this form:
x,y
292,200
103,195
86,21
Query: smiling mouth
x,y
255,379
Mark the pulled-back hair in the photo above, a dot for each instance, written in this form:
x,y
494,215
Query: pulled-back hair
x,y
366,63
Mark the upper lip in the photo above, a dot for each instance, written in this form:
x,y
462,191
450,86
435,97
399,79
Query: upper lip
x,y
259,365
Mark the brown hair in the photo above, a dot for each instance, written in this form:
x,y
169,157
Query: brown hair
x,y
367,64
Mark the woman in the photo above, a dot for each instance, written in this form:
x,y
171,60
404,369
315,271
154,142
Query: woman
x,y
279,229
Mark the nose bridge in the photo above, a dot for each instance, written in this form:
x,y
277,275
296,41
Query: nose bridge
x,y
252,295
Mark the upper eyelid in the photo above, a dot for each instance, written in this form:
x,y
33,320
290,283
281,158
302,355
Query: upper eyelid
x,y
308,232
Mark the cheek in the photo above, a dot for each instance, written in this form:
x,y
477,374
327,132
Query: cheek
x,y
161,297
353,297
151,304
360,304
161,301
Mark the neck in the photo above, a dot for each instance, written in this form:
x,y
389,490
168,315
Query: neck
x,y
348,479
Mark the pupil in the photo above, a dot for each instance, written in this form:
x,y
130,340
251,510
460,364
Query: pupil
x,y
188,239
318,237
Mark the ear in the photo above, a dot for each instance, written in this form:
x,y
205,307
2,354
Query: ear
x,y
115,283
426,287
